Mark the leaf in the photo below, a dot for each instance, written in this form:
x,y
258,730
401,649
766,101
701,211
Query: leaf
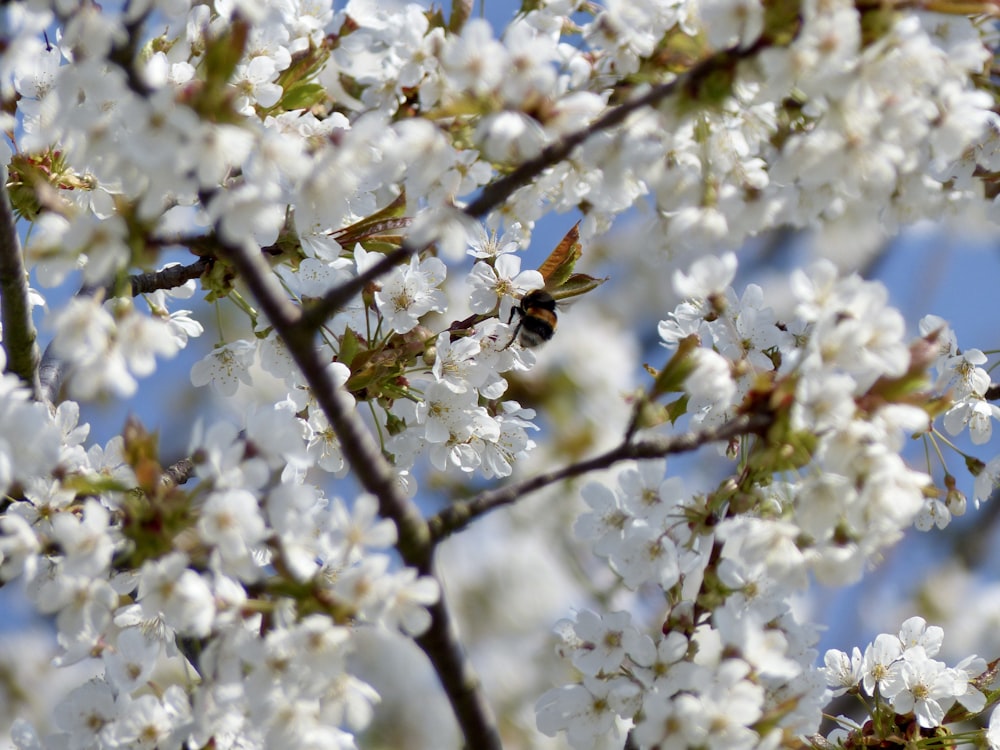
x,y
671,378
140,451
559,265
224,53
94,484
460,12
302,96
575,285
383,220
349,347
382,243
677,409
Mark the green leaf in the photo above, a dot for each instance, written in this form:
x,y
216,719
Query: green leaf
x,y
349,347
577,284
93,484
380,224
677,409
671,378
302,96
224,53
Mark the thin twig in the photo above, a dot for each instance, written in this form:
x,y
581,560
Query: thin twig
x,y
124,51
51,374
497,192
458,516
178,473
316,314
19,334
168,278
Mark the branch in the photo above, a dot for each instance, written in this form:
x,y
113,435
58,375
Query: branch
x,y
993,392
316,314
178,473
19,334
497,192
377,476
168,278
458,516
124,52
51,374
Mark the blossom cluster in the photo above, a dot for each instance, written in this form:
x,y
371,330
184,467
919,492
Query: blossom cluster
x,y
899,674
727,562
705,677
848,373
276,659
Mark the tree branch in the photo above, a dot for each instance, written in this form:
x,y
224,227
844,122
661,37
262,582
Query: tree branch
x,y
376,474
19,334
497,192
51,374
168,278
316,314
124,51
460,515
178,473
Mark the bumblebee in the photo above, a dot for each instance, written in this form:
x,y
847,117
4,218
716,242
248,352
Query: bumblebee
x,y
537,323
537,309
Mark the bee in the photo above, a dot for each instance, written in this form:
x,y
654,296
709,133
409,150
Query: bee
x,y
537,324
537,309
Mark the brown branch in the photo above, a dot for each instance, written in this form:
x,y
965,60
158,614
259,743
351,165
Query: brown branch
x,y
458,516
51,374
19,334
497,192
168,278
993,392
317,313
178,473
376,474
124,52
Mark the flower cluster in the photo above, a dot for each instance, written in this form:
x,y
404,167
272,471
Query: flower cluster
x,y
289,680
961,374
728,561
703,678
460,420
844,367
911,693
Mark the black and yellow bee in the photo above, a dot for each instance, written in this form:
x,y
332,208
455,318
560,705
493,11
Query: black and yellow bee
x,y
537,309
538,319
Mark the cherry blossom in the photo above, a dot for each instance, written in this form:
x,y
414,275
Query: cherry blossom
x,y
311,180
